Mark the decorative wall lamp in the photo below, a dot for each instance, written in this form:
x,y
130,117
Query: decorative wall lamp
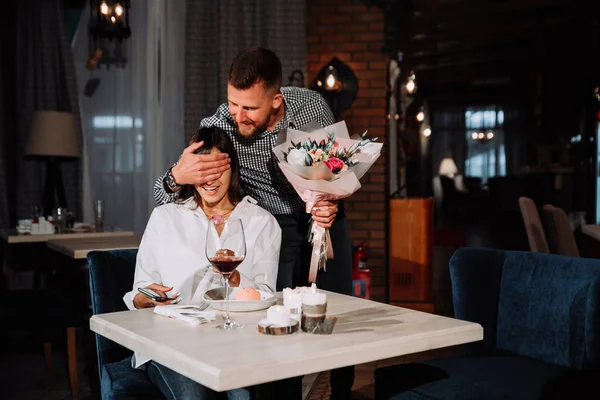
x,y
411,83
108,28
296,78
338,84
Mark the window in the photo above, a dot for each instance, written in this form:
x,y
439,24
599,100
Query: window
x,y
485,142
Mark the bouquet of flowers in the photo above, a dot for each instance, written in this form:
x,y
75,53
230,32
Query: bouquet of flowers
x,y
324,164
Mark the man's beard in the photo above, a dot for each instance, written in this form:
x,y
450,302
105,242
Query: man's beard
x,y
249,131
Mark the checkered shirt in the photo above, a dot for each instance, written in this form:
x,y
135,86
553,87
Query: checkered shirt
x,y
261,177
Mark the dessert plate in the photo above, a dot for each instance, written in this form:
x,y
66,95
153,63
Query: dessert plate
x,y
215,297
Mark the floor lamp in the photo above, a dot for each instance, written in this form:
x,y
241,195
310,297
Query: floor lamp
x,y
52,137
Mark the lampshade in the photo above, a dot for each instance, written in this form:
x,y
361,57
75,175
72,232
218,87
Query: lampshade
x,y
52,134
448,167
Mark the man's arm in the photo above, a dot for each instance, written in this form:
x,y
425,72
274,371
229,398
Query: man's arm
x,y
161,194
193,168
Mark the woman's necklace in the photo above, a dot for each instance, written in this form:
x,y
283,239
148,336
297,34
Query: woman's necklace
x,y
224,216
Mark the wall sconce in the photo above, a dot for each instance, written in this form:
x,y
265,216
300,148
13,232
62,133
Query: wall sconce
x,y
338,84
108,28
411,84
296,78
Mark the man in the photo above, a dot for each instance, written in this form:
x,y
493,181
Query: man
x,y
257,109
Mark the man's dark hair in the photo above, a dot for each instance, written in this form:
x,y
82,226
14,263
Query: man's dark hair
x,y
214,137
254,65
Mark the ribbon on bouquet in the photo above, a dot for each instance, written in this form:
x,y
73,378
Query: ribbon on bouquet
x,y
322,249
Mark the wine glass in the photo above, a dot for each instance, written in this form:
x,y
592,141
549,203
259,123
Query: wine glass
x,y
225,250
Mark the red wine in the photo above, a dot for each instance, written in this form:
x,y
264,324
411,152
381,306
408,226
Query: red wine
x,y
226,264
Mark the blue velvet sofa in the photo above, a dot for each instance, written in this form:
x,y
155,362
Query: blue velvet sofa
x,y
541,319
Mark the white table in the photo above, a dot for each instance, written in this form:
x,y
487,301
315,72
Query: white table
x,y
591,230
365,331
79,248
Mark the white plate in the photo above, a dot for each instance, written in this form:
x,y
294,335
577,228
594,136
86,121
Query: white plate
x,y
215,298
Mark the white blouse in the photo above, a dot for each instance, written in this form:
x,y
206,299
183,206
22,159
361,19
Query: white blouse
x,y
172,251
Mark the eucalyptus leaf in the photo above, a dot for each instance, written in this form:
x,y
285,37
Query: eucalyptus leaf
x,y
308,160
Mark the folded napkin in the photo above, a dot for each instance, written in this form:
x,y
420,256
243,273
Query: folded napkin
x,y
190,314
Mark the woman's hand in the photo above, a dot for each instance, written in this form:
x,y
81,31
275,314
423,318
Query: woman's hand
x,y
324,212
142,301
234,277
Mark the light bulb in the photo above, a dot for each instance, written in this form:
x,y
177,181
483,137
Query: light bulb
x,y
119,10
330,81
104,8
410,86
490,135
420,116
474,135
480,135
113,19
426,132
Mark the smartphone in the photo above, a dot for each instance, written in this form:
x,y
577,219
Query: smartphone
x,y
155,296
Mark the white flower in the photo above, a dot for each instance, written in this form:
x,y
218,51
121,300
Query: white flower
x,y
296,158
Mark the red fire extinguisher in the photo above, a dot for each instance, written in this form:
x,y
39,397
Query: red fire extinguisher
x,y
361,275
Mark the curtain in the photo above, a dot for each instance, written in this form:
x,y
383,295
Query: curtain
x,y
7,124
217,31
515,130
448,137
133,120
38,74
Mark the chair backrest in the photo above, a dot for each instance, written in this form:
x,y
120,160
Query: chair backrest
x,y
111,276
534,228
560,235
541,306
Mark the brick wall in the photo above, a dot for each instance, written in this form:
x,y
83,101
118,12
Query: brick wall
x,y
353,32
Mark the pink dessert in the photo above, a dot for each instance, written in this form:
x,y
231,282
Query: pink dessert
x,y
247,293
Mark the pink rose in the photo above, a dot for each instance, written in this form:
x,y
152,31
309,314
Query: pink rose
x,y
334,164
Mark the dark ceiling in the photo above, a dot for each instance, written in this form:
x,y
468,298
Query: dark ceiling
x,y
488,42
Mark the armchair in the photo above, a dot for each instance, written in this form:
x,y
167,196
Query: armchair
x,y
111,276
541,320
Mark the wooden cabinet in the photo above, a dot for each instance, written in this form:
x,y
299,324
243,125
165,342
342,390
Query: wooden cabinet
x,y
410,252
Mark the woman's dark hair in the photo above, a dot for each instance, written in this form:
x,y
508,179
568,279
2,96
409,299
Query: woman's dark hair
x,y
214,137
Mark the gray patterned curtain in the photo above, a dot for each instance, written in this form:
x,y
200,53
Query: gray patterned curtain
x,y
45,80
216,31
7,115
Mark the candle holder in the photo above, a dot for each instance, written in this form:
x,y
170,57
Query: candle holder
x,y
278,330
316,321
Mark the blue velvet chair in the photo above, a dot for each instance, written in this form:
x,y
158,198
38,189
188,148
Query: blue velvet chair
x,y
111,276
541,319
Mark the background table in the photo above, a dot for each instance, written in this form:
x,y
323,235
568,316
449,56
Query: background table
x,y
11,236
79,248
365,331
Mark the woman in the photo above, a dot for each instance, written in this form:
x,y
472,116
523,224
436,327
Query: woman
x,y
171,259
